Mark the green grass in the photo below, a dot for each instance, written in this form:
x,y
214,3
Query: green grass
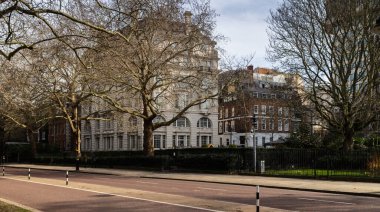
x,y
319,172
5,207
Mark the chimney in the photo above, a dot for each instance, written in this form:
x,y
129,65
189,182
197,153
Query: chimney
x,y
188,15
250,68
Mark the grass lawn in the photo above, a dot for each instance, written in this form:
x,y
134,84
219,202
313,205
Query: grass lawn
x,y
5,207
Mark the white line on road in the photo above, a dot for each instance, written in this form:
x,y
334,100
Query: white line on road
x,y
118,195
212,189
319,200
144,182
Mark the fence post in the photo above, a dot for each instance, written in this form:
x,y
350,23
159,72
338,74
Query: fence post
x,y
3,161
315,163
67,177
257,198
29,174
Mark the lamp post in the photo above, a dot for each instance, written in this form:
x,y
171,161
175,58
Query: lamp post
x,y
254,120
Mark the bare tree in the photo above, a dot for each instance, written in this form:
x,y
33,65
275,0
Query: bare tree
x,y
22,102
330,44
165,61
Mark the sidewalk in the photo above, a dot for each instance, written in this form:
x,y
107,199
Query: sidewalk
x,y
341,187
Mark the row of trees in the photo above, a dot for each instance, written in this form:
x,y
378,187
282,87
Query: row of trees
x,y
330,44
59,57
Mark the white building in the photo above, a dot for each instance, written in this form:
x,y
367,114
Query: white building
x,y
196,128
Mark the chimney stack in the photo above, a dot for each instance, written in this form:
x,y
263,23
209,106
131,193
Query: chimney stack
x,y
250,68
188,15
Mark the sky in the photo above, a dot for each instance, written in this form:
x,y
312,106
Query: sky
x,y
243,22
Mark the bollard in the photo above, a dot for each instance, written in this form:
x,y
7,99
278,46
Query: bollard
x,y
3,171
257,198
29,174
67,177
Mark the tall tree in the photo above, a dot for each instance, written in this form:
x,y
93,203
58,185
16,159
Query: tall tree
x,y
165,62
331,46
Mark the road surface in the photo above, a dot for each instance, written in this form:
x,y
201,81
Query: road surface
x,y
46,191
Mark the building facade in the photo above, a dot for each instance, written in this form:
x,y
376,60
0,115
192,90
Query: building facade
x,y
196,127
260,103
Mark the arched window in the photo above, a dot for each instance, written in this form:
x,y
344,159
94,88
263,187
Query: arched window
x,y
204,123
158,119
182,122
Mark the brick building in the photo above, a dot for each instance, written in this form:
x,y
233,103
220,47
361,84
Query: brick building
x,y
259,101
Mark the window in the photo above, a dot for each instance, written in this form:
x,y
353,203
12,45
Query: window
x,y
232,112
87,143
163,141
221,113
271,124
119,124
108,142
263,140
255,95
181,141
158,119
174,141
226,113
87,126
280,125
205,105
263,123
120,141
263,109
232,126
286,111
256,109
97,143
157,141
133,141
181,100
226,127
273,96
255,124
279,111
286,125
97,125
182,122
133,121
204,140
271,110
220,127
204,122
108,123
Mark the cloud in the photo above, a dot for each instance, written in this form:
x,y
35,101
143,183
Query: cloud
x,y
243,22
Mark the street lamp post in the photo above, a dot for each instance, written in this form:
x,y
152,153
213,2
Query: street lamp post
x,y
254,142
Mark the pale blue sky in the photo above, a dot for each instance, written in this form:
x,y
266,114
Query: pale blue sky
x,y
243,22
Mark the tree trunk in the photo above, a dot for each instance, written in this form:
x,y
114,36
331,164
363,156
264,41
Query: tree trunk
x,y
148,138
33,143
348,142
77,139
2,140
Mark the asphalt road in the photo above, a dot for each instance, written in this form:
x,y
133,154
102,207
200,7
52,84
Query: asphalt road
x,y
53,198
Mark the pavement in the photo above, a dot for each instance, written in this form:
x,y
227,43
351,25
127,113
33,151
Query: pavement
x,y
339,187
